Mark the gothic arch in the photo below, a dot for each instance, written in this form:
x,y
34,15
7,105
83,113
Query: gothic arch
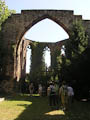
x,y
67,30
17,25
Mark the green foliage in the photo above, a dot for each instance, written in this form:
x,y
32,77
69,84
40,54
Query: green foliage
x,y
37,57
74,49
78,40
38,66
4,12
56,59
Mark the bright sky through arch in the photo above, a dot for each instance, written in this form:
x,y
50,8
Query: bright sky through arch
x,y
28,61
47,55
46,31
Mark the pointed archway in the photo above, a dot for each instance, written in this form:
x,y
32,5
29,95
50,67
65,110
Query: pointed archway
x,y
17,25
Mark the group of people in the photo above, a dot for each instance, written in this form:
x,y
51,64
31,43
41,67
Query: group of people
x,y
63,94
40,89
52,92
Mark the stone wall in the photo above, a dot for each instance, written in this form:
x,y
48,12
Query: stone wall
x,y
17,25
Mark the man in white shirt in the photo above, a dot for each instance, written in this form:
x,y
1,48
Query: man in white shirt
x,y
70,94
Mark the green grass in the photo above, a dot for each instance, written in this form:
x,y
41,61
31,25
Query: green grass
x,y
24,107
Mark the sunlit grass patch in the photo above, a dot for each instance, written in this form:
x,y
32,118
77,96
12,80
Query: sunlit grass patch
x,y
56,112
25,107
11,109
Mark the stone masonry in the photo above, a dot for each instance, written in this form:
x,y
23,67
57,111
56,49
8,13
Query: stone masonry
x,y
14,29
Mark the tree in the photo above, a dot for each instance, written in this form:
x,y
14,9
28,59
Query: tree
x,y
4,12
78,40
74,49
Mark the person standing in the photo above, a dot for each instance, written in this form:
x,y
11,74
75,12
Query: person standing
x,y
70,95
40,89
56,94
31,89
63,93
51,93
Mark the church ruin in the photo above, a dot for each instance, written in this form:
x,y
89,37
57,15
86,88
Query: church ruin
x,y
14,44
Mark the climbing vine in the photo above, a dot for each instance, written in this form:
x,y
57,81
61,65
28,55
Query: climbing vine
x,y
37,61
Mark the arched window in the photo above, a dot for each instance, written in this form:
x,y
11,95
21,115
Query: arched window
x,y
47,57
46,31
63,50
28,61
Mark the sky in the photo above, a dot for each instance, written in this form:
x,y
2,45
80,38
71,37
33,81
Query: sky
x,y
81,7
52,31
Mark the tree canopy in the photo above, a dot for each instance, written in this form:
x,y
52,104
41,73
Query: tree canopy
x,y
4,12
78,40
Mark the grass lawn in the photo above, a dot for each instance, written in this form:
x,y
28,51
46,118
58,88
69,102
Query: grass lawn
x,y
24,107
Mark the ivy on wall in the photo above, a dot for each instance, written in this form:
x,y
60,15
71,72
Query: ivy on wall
x,y
37,60
38,68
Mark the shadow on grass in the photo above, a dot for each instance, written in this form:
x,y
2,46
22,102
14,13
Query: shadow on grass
x,y
40,110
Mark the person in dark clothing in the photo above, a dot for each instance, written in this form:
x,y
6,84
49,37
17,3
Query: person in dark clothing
x,y
31,89
51,94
